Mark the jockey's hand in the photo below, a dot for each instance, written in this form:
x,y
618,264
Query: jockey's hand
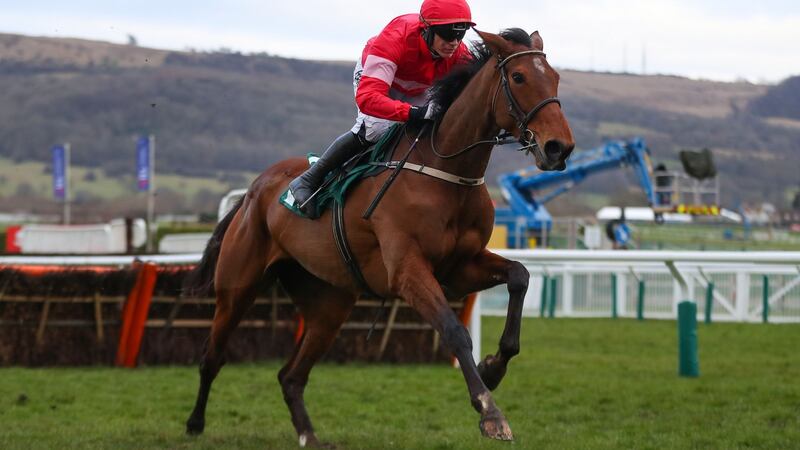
x,y
419,114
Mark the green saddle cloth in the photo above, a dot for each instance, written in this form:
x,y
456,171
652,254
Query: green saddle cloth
x,y
338,182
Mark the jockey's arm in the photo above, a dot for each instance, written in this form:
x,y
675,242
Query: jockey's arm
x,y
381,58
372,96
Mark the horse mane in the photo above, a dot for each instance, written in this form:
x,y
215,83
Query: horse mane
x,y
445,91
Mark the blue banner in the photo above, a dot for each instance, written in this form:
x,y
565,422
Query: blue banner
x,y
59,172
143,163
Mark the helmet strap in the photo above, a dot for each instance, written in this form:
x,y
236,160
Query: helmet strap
x,y
428,36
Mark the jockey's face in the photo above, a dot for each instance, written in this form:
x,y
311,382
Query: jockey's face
x,y
444,48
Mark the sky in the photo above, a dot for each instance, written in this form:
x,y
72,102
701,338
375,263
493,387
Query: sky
x,y
727,40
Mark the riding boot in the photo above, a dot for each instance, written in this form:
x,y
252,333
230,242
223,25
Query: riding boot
x,y
304,186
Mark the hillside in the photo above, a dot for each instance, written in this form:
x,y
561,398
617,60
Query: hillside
x,y
234,112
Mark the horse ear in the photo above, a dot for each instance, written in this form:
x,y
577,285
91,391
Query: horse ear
x,y
496,44
537,42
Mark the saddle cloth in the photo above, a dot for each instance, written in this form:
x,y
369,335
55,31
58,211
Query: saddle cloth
x,y
339,181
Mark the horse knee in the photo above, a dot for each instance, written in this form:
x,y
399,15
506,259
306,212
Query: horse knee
x,y
457,337
518,277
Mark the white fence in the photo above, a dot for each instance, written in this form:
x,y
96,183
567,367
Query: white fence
x,y
183,243
79,239
587,290
586,283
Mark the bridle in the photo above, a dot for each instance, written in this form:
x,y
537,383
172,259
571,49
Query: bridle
x,y
527,137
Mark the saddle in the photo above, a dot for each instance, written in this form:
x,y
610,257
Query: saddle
x,y
368,163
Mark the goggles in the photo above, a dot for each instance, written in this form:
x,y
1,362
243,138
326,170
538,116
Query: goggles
x,y
451,32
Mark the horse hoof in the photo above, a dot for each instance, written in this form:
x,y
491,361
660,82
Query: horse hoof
x,y
496,427
491,371
195,427
311,441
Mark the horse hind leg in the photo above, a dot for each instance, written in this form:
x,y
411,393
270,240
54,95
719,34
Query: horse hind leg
x,y
324,309
240,270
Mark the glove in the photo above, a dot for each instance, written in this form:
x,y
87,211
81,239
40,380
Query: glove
x,y
417,115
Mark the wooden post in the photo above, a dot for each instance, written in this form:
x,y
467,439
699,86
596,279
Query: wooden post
x,y
43,321
173,312
98,317
388,330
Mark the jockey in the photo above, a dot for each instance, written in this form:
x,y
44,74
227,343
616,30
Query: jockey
x,y
390,82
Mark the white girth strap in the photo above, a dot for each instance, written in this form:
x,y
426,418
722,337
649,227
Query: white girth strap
x,y
436,173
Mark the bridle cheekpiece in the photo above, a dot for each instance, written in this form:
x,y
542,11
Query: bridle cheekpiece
x,y
527,137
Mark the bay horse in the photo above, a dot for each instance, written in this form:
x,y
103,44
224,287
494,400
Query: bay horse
x,y
425,242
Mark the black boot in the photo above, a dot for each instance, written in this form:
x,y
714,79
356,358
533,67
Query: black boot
x,y
340,150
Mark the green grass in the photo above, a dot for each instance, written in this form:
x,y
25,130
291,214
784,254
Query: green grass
x,y
617,129
578,384
32,174
710,237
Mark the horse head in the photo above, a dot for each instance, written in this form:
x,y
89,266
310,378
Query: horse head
x,y
525,101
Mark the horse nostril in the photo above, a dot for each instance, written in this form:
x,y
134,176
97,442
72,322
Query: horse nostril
x,y
554,150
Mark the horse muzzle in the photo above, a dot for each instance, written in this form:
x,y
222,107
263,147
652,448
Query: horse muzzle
x,y
555,155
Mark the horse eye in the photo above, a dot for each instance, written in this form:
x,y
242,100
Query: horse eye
x,y
518,77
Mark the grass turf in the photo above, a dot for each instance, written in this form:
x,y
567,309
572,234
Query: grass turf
x,y
584,384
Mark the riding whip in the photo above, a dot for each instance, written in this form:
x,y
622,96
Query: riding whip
x,y
394,174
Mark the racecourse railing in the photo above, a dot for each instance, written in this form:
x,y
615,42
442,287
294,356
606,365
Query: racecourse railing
x,y
726,286
617,289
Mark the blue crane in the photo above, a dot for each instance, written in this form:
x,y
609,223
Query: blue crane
x,y
526,213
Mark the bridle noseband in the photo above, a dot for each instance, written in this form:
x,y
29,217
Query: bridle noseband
x,y
527,137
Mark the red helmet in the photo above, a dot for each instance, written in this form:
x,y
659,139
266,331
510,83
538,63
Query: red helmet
x,y
444,12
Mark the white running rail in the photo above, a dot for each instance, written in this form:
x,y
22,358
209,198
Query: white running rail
x,y
584,286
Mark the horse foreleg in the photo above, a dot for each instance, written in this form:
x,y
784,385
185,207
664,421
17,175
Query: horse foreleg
x,y
413,281
324,309
483,272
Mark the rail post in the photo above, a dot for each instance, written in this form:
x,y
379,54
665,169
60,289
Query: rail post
x,y
640,301
709,301
639,295
551,310
543,301
765,297
613,295
688,365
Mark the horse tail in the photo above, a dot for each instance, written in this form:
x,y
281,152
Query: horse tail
x,y
200,281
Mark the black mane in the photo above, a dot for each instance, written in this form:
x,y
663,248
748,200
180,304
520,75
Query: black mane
x,y
445,91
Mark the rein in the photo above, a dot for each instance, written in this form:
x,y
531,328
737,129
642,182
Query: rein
x,y
527,136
